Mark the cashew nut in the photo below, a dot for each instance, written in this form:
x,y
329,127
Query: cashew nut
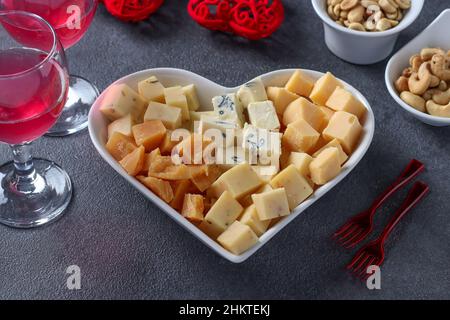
x,y
389,6
427,53
356,26
435,81
443,85
442,97
371,9
348,4
415,101
437,109
356,14
407,72
440,66
367,3
383,25
428,95
402,84
420,81
403,4
415,61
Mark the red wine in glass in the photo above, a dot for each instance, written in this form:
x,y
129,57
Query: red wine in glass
x,y
70,19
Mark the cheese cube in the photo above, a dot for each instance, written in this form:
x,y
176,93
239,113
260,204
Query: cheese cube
x,y
300,136
343,100
231,156
122,125
248,201
281,98
161,188
271,204
170,116
151,89
180,189
327,114
300,83
121,100
239,181
344,127
263,143
191,96
238,238
168,143
296,186
303,109
333,143
323,89
252,91
119,145
223,213
193,207
325,166
300,161
266,173
250,217
175,98
196,115
222,132
228,107
149,134
134,161
205,177
263,115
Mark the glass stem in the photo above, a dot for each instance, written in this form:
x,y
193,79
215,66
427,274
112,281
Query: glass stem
x,y
24,176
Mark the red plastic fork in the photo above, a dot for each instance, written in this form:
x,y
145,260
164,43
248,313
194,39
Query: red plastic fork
x,y
360,226
373,252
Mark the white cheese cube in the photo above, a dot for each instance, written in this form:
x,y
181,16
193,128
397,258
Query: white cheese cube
x,y
263,115
231,156
264,143
228,107
266,173
151,89
252,91
300,161
238,238
271,204
175,98
191,96
121,100
122,125
170,116
250,217
222,132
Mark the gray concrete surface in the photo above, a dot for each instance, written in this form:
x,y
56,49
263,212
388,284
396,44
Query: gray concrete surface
x,y
127,248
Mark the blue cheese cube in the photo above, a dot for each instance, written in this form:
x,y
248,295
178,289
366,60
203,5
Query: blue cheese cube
x,y
264,143
216,129
228,107
252,91
263,115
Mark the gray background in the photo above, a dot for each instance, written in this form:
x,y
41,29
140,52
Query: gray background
x,y
127,248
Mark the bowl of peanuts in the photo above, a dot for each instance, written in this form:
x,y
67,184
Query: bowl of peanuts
x,y
365,31
418,75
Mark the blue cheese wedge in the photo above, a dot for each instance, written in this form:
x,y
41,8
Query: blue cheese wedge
x,y
263,115
252,91
228,107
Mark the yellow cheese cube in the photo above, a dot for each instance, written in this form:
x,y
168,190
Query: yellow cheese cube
x,y
300,136
300,83
296,186
161,188
248,201
300,161
238,238
239,181
323,89
175,98
303,109
281,98
191,95
334,143
134,161
151,89
170,116
122,125
250,217
344,127
252,91
193,207
325,166
149,134
121,100
223,213
327,114
271,204
266,173
343,100
119,145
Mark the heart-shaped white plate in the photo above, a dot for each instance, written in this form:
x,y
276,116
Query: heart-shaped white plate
x,y
207,90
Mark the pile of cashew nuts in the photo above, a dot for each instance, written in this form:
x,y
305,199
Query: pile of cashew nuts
x,y
368,15
425,84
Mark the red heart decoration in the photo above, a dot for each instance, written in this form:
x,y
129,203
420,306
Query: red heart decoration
x,y
132,10
251,19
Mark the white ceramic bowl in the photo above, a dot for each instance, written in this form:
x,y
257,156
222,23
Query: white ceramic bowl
x,y
437,34
362,47
207,90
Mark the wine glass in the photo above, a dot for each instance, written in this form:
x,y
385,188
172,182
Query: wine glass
x,y
34,82
70,19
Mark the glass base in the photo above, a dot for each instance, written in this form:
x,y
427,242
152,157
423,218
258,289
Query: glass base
x,y
31,208
74,117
